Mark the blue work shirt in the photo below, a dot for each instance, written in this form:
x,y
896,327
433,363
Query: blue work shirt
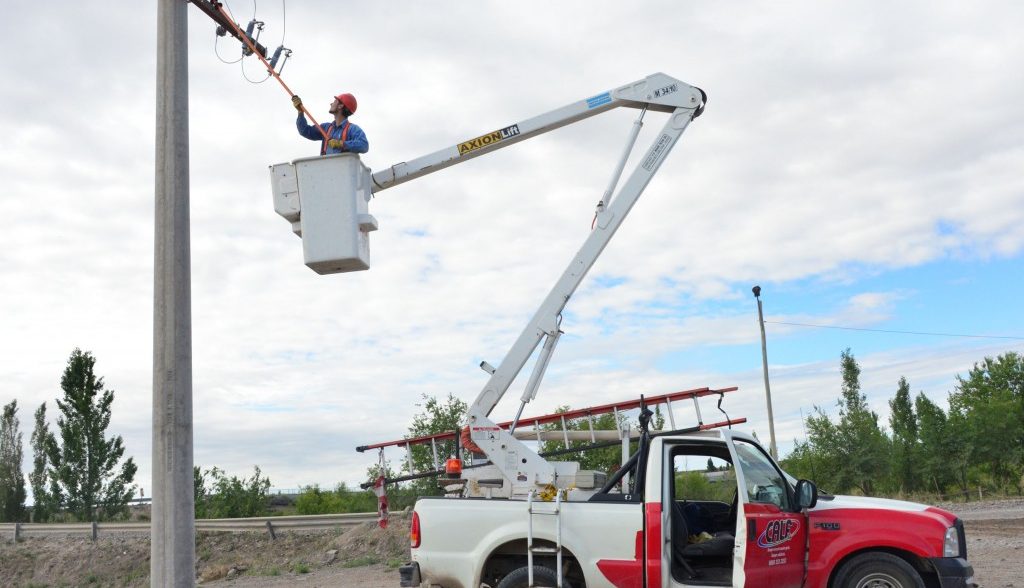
x,y
355,142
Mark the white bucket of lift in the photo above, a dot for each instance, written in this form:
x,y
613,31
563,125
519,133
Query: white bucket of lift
x,y
325,198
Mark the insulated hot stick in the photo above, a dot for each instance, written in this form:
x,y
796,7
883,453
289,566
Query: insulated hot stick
x,y
252,47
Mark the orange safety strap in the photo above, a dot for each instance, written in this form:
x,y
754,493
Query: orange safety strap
x,y
252,47
330,131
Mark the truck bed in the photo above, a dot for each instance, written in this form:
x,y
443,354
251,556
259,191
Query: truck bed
x,y
463,540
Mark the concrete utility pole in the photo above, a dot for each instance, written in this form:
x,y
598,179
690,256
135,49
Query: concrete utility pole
x,y
173,549
764,362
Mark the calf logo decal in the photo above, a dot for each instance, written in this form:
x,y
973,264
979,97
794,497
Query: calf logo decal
x,y
778,532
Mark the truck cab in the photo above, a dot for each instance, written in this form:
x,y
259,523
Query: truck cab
x,y
721,512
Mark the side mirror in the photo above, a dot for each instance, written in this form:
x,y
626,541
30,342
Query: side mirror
x,y
806,494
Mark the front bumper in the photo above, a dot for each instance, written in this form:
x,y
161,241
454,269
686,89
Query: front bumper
x,y
953,572
410,575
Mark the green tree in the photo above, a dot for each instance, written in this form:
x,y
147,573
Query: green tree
x,y
822,454
314,500
44,506
989,403
903,422
199,492
229,497
943,452
854,450
12,480
801,463
84,476
604,459
436,417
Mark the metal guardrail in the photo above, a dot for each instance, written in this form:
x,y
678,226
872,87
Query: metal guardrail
x,y
270,525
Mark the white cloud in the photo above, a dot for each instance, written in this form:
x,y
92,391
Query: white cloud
x,y
836,144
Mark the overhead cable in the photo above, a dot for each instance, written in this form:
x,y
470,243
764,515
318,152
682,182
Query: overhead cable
x,y
897,332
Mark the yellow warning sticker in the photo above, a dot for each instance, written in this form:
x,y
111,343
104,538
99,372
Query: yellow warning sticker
x,y
488,139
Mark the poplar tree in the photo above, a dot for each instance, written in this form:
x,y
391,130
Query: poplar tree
x,y
44,506
903,422
944,453
854,451
85,477
12,481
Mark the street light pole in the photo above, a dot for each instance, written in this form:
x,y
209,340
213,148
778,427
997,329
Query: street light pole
x,y
764,362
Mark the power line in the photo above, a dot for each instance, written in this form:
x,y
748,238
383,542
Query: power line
x,y
897,332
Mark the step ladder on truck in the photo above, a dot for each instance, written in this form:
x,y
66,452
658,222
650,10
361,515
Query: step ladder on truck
x,y
326,201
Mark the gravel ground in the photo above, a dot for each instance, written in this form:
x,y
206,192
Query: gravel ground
x,y
995,541
376,576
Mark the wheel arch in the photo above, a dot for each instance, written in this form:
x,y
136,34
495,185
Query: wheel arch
x,y
511,555
921,564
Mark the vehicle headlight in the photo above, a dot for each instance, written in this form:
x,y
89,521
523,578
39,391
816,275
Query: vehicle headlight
x,y
951,544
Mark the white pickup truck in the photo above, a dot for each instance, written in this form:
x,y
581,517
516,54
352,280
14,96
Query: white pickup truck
x,y
707,509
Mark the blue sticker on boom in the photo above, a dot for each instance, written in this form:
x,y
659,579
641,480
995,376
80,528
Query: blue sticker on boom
x,y
600,99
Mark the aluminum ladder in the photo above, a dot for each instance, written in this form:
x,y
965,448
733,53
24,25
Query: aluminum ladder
x,y
531,548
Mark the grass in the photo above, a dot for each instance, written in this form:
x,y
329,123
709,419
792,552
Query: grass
x,y
365,560
271,571
301,568
136,574
395,562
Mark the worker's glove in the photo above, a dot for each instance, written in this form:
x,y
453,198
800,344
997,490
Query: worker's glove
x,y
336,144
297,103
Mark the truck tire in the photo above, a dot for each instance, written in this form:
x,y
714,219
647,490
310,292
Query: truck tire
x,y
878,570
542,577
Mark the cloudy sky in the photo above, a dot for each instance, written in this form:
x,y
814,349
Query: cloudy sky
x,y
860,161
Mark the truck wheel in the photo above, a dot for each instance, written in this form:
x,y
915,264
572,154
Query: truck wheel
x,y
542,578
878,570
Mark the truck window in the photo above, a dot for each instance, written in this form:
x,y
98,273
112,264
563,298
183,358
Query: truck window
x,y
703,478
764,482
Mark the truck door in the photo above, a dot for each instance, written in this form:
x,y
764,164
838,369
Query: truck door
x,y
776,536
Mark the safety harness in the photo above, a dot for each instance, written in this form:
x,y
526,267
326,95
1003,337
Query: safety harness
x,y
330,133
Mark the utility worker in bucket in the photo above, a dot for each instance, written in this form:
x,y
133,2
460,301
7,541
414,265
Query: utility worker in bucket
x,y
345,137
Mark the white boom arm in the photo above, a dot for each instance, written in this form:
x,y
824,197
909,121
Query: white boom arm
x,y
519,464
657,92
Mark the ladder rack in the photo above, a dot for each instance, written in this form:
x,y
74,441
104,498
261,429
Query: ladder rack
x,y
596,438
615,407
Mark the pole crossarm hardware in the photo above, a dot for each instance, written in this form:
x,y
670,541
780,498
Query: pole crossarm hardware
x,y
213,9
216,11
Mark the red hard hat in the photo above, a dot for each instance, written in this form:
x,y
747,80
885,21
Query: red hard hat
x,y
348,101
